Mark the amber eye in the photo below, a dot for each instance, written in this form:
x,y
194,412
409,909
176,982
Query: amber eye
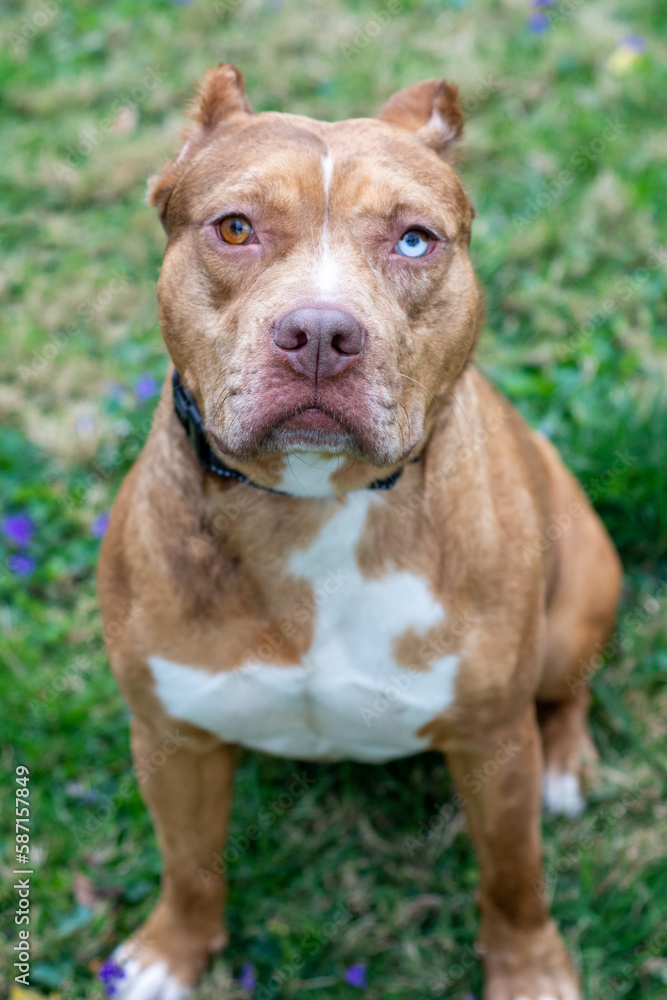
x,y
235,229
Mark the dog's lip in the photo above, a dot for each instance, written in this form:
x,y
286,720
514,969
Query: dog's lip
x,y
313,418
304,420
286,429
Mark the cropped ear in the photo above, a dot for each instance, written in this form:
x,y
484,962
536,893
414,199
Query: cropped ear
x,y
431,109
220,96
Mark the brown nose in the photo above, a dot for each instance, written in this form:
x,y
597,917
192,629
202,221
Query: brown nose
x,y
319,342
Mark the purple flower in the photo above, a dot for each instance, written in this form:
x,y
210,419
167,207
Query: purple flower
x,y
98,528
109,973
145,388
21,565
538,23
248,977
18,528
633,42
76,790
543,3
356,975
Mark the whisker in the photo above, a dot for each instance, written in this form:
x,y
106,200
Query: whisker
x,y
453,397
419,384
407,417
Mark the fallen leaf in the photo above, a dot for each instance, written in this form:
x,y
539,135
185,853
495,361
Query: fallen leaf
x,y
85,892
18,993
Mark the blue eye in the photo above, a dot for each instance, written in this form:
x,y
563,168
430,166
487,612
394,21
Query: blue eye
x,y
414,243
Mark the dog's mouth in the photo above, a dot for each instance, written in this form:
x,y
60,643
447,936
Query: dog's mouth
x,y
312,419
358,426
308,427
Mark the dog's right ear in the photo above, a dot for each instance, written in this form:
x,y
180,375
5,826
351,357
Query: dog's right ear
x,y
220,97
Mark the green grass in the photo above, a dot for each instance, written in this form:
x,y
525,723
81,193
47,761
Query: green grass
x,y
566,163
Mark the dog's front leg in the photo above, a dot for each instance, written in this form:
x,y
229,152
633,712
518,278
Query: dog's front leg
x,y
188,793
523,954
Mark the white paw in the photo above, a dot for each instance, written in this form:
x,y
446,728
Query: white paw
x,y
561,795
541,997
124,978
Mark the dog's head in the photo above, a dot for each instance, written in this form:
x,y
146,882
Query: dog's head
x,y
316,292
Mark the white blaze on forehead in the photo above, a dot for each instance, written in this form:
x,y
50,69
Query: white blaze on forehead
x,y
327,275
348,698
327,173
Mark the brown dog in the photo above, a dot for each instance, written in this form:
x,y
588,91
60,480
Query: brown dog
x,y
339,540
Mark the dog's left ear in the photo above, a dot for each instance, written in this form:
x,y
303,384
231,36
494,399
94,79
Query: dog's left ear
x,y
220,97
432,109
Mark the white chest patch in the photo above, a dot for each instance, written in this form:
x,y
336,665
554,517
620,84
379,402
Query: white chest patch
x,y
348,698
309,474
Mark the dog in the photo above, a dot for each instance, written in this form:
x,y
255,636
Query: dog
x,y
339,540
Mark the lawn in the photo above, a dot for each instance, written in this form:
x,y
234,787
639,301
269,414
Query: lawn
x,y
565,160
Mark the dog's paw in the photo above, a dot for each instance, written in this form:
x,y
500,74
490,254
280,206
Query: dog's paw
x,y
543,987
543,997
126,977
164,959
561,793
526,965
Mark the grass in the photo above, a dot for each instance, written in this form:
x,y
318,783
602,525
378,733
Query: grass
x,y
566,163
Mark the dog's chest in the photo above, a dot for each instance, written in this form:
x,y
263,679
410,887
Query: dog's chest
x,y
348,697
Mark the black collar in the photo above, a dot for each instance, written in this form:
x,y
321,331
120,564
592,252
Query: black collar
x,y
189,416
